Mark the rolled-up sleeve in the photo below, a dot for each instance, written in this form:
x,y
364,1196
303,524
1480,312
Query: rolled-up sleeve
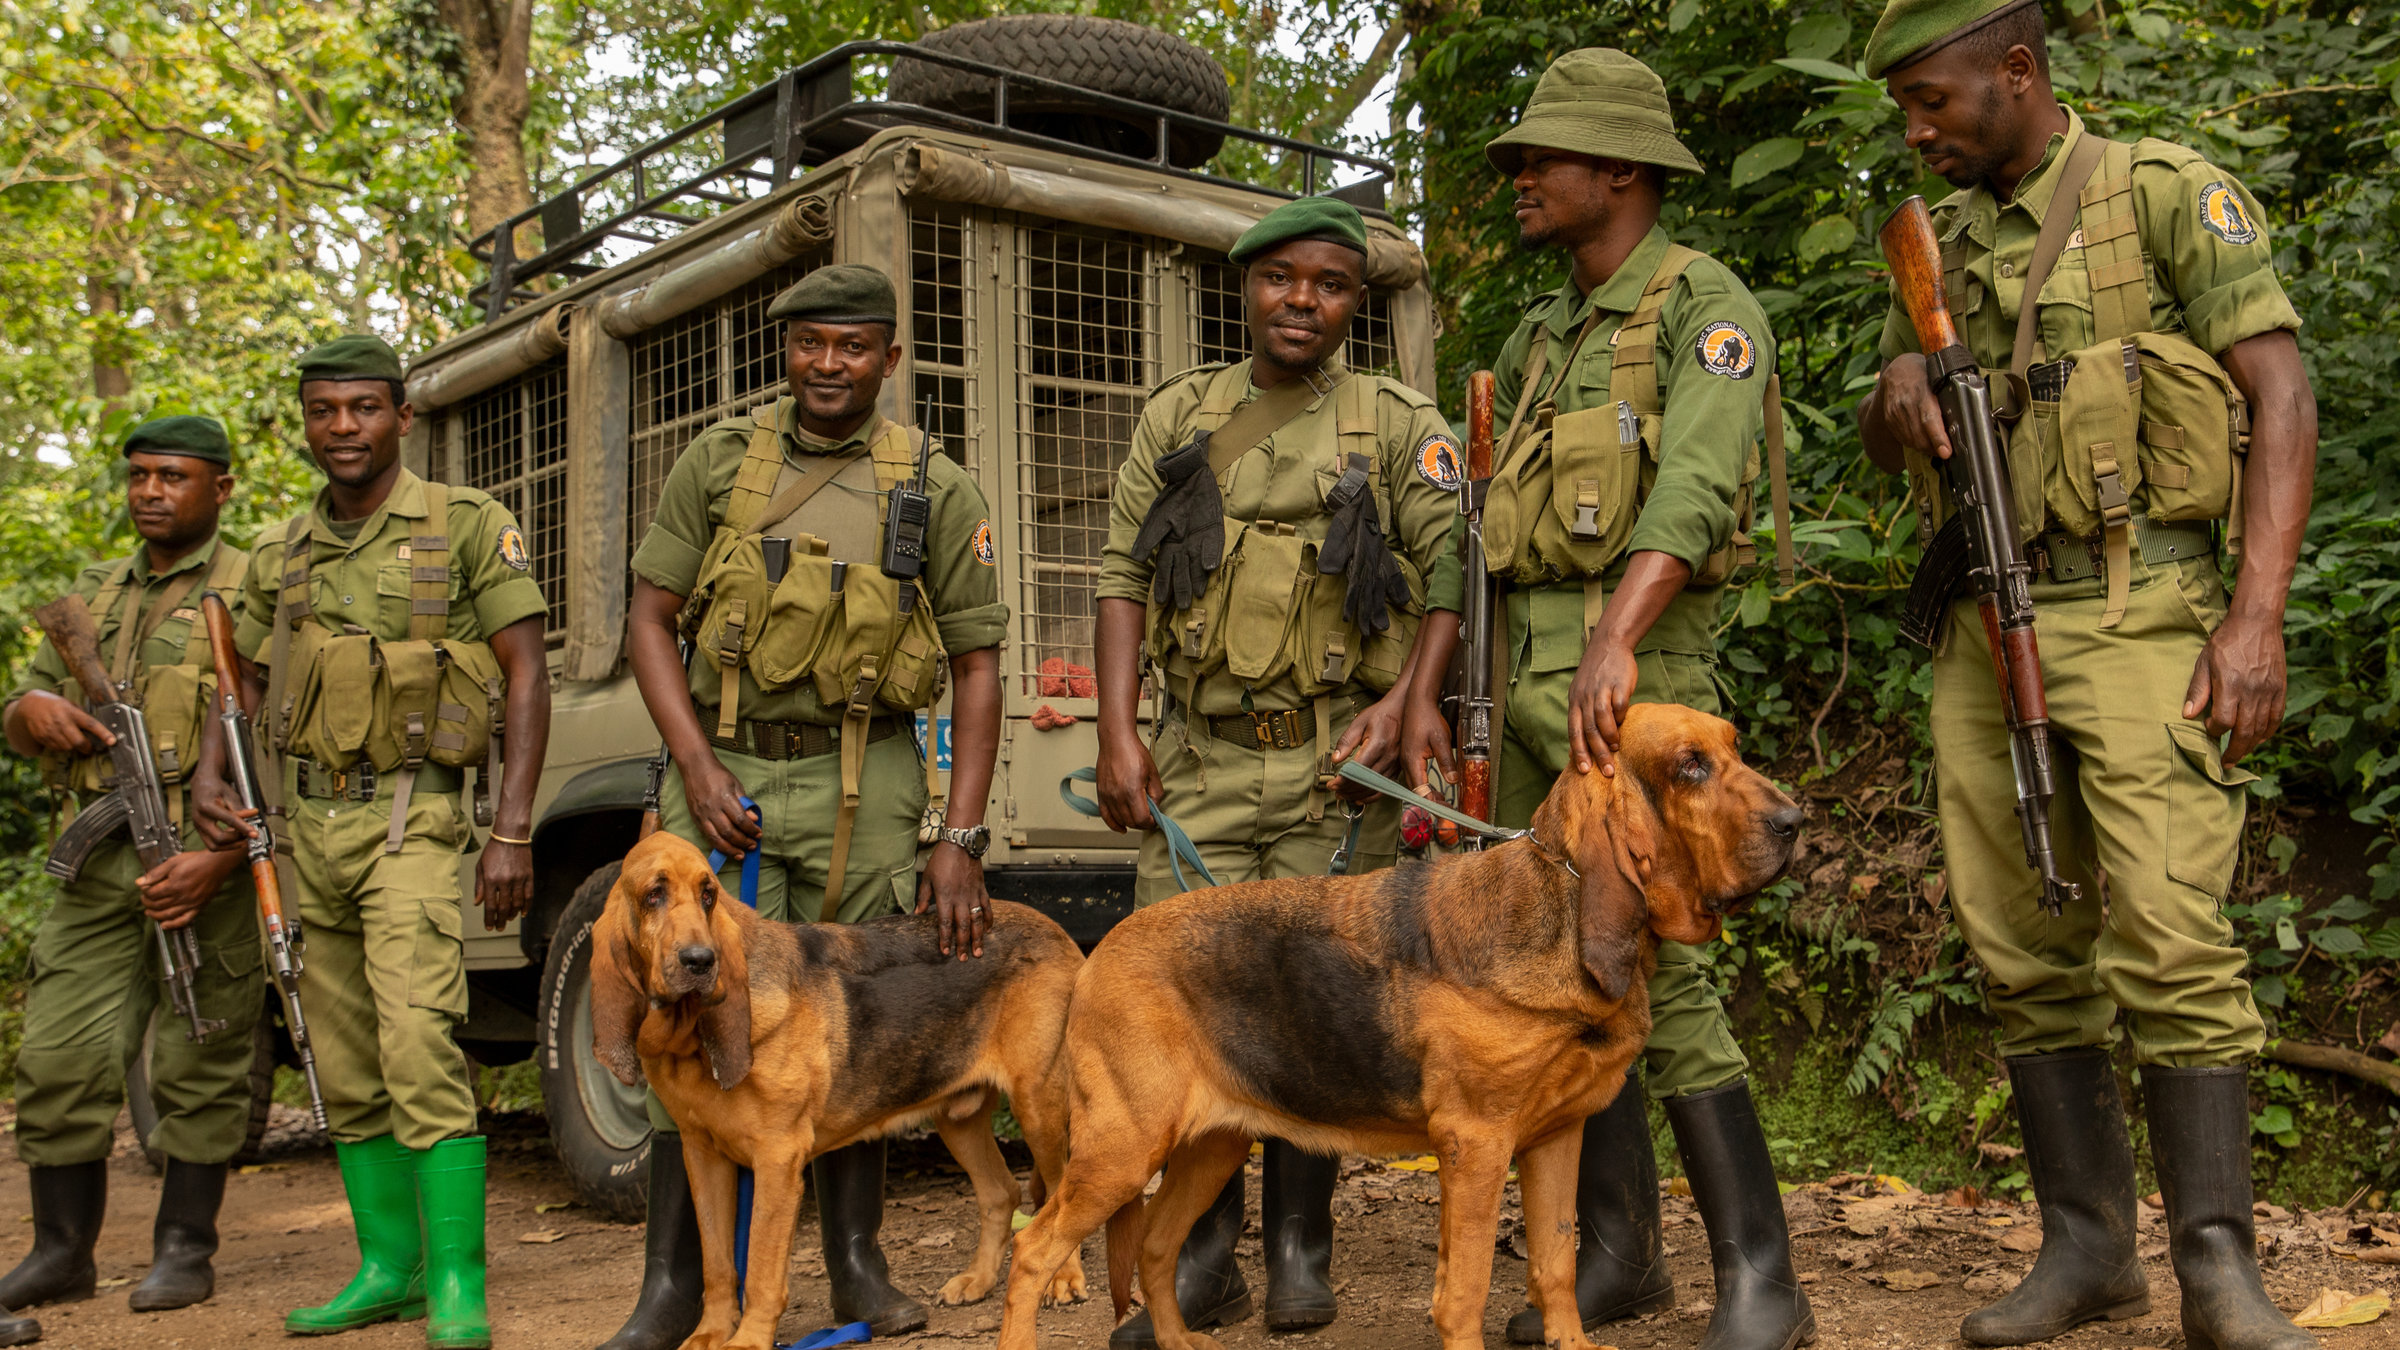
x,y
2216,258
1716,355
963,580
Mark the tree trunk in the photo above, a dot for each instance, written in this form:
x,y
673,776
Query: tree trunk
x,y
495,38
104,301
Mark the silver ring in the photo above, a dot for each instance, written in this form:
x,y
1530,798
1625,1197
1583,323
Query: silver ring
x,y
976,910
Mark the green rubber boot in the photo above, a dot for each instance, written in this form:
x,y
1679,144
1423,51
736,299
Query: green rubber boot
x,y
381,1179
450,1194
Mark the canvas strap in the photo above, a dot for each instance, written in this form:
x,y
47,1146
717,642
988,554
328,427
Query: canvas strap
x,y
428,620
1253,422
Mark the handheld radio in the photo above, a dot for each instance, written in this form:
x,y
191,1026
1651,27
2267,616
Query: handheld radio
x,y
908,510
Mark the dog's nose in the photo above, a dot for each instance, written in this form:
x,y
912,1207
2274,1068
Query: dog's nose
x,y
1785,822
698,959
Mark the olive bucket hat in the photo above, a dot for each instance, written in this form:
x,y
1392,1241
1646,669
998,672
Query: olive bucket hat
x,y
1596,101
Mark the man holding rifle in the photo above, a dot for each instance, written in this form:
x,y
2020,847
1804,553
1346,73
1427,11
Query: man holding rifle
x,y
2123,394
95,974
1634,400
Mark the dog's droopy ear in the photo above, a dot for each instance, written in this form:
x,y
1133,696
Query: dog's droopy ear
x,y
725,1025
618,1003
1615,855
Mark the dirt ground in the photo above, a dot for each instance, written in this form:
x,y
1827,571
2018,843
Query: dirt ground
x,y
1883,1269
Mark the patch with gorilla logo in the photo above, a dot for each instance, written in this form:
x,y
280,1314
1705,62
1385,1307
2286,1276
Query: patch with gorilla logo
x,y
1725,349
1438,463
2222,211
512,549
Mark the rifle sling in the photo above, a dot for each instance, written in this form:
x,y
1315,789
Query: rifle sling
x,y
787,503
1253,422
2057,226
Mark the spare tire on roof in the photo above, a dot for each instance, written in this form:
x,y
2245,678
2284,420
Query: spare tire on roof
x,y
1108,56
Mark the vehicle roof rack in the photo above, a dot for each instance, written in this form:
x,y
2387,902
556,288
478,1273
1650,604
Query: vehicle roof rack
x,y
809,114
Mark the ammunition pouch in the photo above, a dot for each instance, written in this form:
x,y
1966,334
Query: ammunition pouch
x,y
391,705
1269,612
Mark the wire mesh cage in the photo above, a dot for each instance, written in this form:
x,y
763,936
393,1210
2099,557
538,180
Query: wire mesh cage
x,y
941,247
511,441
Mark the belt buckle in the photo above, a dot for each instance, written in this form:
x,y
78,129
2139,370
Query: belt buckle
x,y
359,784
771,740
1262,726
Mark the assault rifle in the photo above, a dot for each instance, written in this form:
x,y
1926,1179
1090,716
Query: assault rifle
x,y
137,800
241,770
1977,549
1475,624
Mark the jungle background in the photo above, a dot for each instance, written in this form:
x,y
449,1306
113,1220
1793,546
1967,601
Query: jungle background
x,y
190,195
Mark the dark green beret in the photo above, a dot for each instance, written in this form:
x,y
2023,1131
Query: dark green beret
x,y
1325,218
360,356
1600,102
842,293
1911,30
197,437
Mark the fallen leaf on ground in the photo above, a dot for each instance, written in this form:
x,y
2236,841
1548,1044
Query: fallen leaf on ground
x,y
938,1238
253,1169
304,1228
1999,1153
2022,1240
556,1205
1675,1186
2339,1308
2381,1256
1018,1221
2155,1200
1908,1281
114,1282
1987,1286
541,1235
1894,1186
1428,1163
1965,1197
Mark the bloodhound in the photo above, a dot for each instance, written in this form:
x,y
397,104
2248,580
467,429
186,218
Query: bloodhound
x,y
1480,1006
770,1043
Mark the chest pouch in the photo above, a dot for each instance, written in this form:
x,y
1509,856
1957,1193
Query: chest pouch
x,y
1329,651
796,618
880,646
1193,638
1272,570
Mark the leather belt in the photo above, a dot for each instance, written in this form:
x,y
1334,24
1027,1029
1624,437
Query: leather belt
x,y
2060,556
792,740
358,782
1268,730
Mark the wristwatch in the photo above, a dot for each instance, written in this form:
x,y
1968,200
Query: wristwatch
x,y
975,839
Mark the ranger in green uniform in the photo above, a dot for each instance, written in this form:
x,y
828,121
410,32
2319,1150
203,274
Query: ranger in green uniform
x,y
2158,337
812,649
393,629
1247,556
95,977
1634,400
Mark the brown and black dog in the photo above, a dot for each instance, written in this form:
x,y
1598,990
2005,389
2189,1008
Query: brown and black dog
x,y
1480,1006
771,1042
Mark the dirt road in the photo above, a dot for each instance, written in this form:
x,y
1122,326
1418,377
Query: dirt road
x,y
1882,1269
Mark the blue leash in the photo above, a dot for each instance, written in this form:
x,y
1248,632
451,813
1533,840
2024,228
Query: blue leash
x,y
1180,848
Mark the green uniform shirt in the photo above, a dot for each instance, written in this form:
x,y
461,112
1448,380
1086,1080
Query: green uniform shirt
x,y
1711,424
364,580
169,634
2211,270
961,582
1285,480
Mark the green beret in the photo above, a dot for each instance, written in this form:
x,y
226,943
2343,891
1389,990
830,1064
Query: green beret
x,y
1911,30
842,293
1326,218
1600,102
197,437
360,356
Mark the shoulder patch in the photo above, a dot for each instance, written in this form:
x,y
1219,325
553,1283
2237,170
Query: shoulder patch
x,y
984,552
2225,215
1725,348
1438,462
512,548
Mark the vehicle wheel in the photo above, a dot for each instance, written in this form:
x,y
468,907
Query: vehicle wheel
x,y
598,1124
1109,56
262,1091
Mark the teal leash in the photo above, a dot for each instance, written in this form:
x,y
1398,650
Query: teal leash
x,y
1366,777
1180,848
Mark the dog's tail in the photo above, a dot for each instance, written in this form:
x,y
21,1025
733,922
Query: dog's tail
x,y
1125,1229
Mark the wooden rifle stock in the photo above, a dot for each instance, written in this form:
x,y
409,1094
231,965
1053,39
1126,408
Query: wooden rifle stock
x,y
1915,257
1476,624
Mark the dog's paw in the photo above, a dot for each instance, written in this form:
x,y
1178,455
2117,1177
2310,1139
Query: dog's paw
x,y
1067,1285
969,1287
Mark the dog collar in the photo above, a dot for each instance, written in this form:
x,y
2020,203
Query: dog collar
x,y
1547,856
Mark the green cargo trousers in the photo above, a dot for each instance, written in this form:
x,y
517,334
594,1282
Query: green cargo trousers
x,y
92,990
798,800
1247,809
2143,797
1691,1047
384,978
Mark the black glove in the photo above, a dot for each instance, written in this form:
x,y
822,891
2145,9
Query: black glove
x,y
1184,534
1354,546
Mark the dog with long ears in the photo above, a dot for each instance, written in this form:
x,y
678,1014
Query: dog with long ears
x,y
1480,1006
769,1043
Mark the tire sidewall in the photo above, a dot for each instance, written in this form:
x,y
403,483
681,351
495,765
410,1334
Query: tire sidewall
x,y
611,1179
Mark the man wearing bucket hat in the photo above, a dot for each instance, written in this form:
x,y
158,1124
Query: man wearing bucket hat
x,y
1634,399
1283,474
95,984
2158,312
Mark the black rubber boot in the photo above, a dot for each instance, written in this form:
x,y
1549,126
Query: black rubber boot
x,y
668,1308
183,1238
1209,1288
1295,1214
1760,1305
2200,1139
68,1204
2082,1166
1620,1260
15,1330
849,1185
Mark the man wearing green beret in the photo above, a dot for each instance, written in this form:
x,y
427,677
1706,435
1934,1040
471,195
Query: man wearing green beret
x,y
1284,475
809,711
1634,399
392,633
2160,331
94,984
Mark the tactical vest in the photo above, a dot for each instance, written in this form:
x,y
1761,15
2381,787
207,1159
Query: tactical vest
x,y
174,699
2146,419
1569,486
1268,611
341,697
